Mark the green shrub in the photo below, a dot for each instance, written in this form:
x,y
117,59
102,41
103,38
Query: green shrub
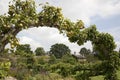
x,y
4,68
63,69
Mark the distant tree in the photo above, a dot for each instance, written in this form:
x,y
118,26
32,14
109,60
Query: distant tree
x,y
84,51
59,50
23,49
40,51
87,53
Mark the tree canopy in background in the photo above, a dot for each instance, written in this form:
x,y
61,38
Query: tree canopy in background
x,y
24,47
84,51
40,51
58,50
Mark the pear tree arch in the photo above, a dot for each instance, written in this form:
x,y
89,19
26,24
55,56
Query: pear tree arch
x,y
22,15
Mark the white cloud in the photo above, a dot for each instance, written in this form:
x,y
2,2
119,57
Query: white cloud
x,y
26,40
48,36
85,9
4,6
79,9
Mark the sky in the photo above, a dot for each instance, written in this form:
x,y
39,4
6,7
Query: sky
x,y
105,14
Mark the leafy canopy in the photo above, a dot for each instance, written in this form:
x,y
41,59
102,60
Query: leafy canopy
x,y
58,50
40,51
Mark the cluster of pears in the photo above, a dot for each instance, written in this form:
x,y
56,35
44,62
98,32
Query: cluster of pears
x,y
14,42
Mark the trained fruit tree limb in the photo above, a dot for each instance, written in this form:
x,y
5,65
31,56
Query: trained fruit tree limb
x,y
22,15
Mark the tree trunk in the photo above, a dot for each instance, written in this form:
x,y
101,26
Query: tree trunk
x,y
4,39
3,43
2,46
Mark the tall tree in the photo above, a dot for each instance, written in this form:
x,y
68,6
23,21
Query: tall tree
x,y
84,51
39,51
59,50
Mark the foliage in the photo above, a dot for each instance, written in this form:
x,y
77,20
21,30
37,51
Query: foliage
x,y
63,69
22,15
84,51
82,75
92,58
104,44
20,49
51,76
52,59
4,68
30,66
58,50
39,51
68,58
112,67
